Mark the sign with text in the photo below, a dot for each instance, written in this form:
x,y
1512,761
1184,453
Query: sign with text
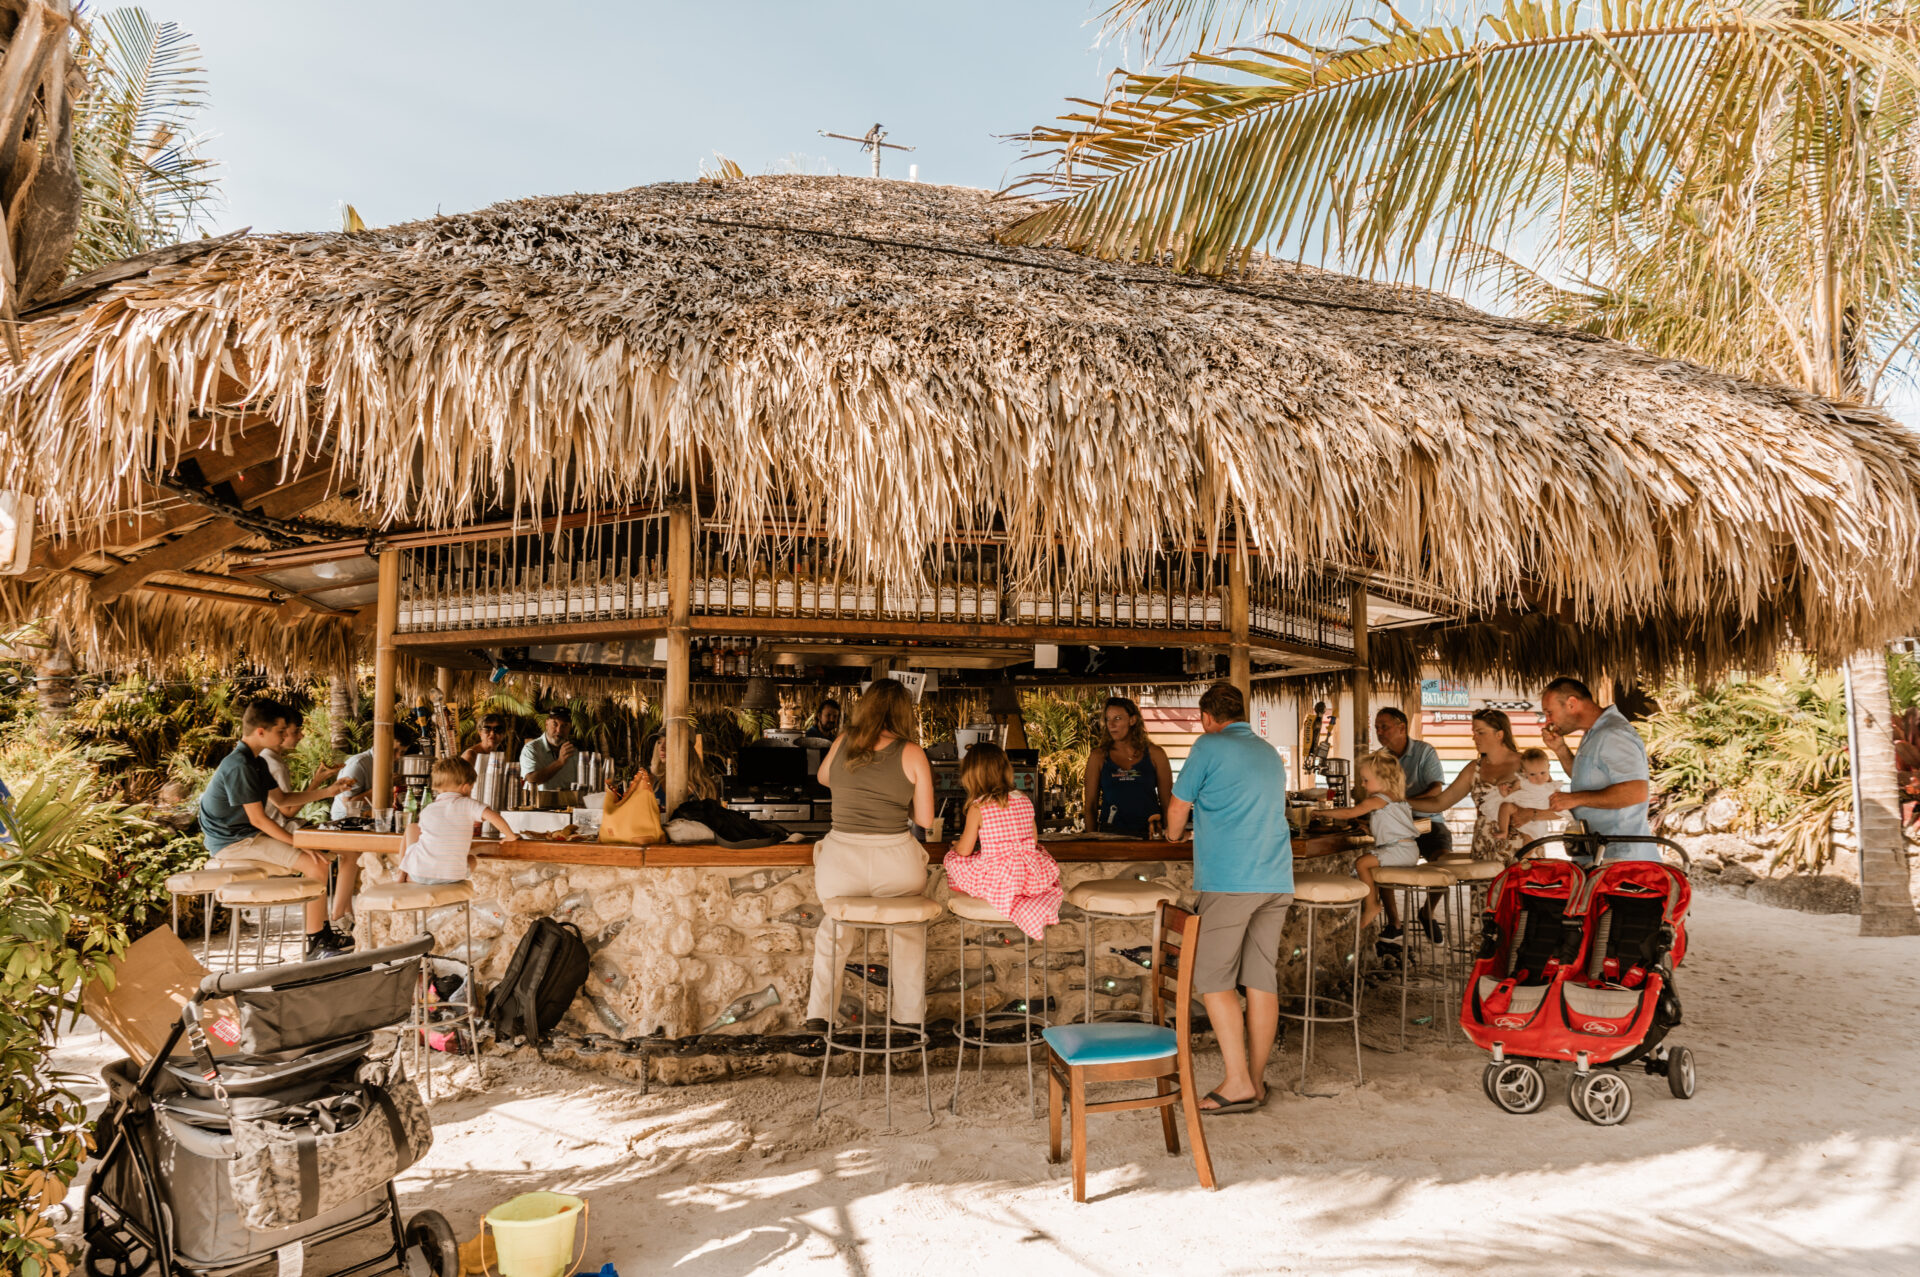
x,y
1443,693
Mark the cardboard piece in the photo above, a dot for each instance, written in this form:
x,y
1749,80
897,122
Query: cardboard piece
x,y
153,979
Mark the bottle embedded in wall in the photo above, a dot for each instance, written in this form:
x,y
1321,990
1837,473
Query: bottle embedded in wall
x,y
745,1008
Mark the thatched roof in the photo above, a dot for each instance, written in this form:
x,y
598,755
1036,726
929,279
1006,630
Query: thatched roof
x,y
866,353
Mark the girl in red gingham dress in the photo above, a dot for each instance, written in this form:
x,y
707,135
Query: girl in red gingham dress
x,y
998,857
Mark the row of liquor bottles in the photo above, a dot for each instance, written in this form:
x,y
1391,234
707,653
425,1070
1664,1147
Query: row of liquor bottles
x,y
534,581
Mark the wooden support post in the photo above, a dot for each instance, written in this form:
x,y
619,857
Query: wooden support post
x,y
1362,676
679,694
1240,659
385,654
1416,708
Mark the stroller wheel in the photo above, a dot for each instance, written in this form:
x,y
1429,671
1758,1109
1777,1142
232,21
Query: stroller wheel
x,y
432,1237
115,1252
1602,1098
1680,1073
1515,1085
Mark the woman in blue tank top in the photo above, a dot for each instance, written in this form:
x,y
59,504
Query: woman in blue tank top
x,y
1129,778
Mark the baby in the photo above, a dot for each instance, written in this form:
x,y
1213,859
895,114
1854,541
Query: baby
x,y
1531,789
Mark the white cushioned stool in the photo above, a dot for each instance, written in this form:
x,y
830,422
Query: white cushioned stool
x,y
971,910
266,896
203,882
416,898
884,914
1117,900
1332,895
1424,962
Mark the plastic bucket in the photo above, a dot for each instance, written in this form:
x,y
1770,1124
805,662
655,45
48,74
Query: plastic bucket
x,y
533,1234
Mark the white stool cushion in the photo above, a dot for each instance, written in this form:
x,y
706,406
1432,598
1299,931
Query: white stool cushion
x,y
881,909
271,891
198,882
1477,870
1121,895
974,909
1328,889
402,897
1414,876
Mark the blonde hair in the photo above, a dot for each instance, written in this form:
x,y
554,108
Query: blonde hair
x,y
987,775
1386,769
450,773
886,706
1535,755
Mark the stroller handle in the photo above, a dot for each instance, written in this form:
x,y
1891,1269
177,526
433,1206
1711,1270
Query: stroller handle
x,y
1603,840
225,982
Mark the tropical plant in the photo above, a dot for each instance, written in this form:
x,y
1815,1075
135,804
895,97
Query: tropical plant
x,y
1061,728
143,181
1776,744
1709,182
63,919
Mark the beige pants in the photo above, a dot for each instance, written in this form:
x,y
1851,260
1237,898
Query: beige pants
x,y
869,865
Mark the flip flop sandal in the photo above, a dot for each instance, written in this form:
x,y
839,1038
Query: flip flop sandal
x,y
1229,1106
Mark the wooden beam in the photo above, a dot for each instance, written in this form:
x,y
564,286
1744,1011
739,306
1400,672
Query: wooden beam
x,y
220,596
290,499
679,690
257,445
1362,676
1240,653
386,616
182,552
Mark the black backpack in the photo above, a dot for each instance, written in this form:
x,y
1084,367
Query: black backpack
x,y
548,970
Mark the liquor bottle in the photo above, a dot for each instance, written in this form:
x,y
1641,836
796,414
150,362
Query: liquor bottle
x,y
949,592
403,620
1084,611
656,587
1215,609
1045,610
990,591
969,594
762,588
745,1008
808,588
1177,602
1142,601
739,587
926,595
1104,607
604,604
851,599
784,598
1156,600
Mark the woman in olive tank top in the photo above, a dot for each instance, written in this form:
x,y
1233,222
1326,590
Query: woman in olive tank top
x,y
882,785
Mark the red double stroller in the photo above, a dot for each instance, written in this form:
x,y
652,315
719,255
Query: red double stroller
x,y
1577,965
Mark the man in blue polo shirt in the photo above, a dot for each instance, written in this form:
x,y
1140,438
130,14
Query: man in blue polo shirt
x,y
1608,783
1235,788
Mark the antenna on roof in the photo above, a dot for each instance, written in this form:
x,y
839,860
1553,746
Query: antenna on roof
x,y
873,141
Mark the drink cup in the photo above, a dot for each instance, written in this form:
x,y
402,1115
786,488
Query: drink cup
x,y
383,820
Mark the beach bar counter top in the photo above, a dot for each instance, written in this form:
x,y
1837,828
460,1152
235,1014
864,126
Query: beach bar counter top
x,y
689,939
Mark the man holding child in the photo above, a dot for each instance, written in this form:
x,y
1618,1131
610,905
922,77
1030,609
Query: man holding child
x,y
1234,787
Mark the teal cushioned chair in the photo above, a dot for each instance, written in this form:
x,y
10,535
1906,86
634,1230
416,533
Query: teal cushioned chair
x,y
1081,1054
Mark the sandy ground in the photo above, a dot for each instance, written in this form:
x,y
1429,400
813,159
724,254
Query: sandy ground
x,y
1800,1153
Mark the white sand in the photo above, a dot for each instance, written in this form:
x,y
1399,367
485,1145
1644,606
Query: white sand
x,y
1801,1153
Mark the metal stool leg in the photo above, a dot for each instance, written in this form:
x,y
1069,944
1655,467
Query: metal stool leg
x,y
471,988
960,1055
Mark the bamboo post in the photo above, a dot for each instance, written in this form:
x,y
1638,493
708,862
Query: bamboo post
x,y
1362,677
386,616
1416,710
1240,660
679,691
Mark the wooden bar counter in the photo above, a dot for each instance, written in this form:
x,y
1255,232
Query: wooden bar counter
x,y
679,933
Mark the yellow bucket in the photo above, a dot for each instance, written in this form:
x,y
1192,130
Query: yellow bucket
x,y
533,1234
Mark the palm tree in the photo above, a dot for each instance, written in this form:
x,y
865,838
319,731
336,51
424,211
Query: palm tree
x,y
144,183
1729,185
38,187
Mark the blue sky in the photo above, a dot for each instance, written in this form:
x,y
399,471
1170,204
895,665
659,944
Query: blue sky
x,y
406,107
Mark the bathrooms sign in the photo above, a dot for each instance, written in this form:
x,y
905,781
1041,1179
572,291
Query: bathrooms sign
x,y
1442,693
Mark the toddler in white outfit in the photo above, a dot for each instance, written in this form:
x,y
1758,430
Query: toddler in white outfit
x,y
1531,789
440,846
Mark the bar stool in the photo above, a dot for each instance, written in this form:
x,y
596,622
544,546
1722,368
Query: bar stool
x,y
265,897
1117,900
1467,901
984,918
203,882
887,915
1331,895
416,898
1422,962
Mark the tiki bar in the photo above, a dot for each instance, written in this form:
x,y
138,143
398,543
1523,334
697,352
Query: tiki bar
x,y
742,448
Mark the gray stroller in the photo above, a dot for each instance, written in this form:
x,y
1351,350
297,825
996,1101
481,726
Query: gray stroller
x,y
213,1165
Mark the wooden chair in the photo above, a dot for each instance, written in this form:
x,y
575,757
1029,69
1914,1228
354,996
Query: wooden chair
x,y
1081,1054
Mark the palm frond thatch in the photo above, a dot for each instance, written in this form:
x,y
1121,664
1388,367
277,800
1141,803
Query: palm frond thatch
x,y
866,354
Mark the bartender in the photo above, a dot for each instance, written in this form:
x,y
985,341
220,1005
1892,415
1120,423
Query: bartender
x,y
826,721
493,739
548,761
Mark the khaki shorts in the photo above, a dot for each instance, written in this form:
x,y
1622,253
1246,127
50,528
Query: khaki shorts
x,y
1239,941
259,850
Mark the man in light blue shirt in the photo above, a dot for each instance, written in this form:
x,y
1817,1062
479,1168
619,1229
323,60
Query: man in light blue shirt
x,y
1608,783
1425,779
1235,788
